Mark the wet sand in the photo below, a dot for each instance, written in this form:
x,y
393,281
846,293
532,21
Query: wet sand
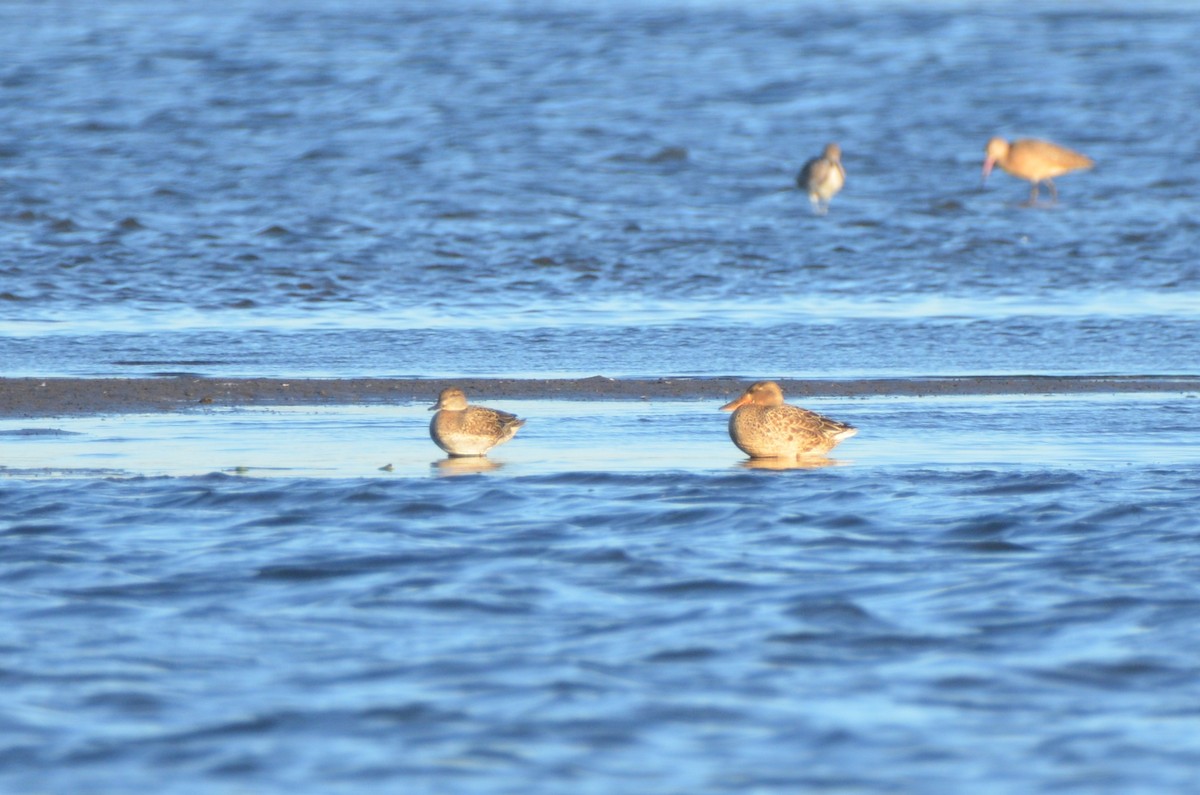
x,y
42,397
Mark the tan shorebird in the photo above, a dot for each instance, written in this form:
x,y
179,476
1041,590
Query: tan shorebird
x,y
763,426
1034,160
463,430
822,177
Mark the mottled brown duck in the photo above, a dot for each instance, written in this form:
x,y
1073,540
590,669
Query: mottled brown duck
x,y
763,426
464,430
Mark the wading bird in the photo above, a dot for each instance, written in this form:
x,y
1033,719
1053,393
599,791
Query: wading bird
x,y
1034,160
822,177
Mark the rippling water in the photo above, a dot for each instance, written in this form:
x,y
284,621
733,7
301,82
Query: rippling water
x,y
920,629
430,187
981,593
984,595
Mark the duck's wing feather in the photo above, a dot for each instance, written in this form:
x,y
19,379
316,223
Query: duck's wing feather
x,y
794,419
484,420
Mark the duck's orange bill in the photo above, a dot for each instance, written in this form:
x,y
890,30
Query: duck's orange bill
x,y
737,404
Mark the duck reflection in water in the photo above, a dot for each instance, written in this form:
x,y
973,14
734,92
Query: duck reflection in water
x,y
804,462
464,465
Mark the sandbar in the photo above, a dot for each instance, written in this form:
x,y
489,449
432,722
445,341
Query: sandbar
x,y
47,397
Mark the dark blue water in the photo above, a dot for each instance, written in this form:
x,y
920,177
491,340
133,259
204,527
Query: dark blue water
x,y
844,630
304,187
984,595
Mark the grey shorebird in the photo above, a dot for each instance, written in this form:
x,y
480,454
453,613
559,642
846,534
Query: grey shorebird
x,y
822,177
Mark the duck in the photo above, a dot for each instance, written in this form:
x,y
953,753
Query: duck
x,y
763,426
822,177
465,430
1035,160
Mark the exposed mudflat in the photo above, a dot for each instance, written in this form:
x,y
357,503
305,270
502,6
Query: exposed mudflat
x,y
33,397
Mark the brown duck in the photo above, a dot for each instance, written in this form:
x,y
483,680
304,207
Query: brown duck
x,y
763,426
463,430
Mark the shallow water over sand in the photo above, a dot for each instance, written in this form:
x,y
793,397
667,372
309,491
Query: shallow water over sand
x,y
978,590
947,608
606,436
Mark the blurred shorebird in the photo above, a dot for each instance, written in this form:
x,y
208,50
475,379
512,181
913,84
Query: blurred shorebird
x,y
822,177
1035,160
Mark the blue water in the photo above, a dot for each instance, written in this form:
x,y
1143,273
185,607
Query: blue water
x,y
980,594
307,188
848,629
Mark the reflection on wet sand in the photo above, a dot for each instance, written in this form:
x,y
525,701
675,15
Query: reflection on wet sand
x,y
807,462
465,465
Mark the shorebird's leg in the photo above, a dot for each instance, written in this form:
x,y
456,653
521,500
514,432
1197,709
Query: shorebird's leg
x,y
1053,191
1033,195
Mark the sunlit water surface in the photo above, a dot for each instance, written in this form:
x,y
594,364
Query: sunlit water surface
x,y
314,188
976,593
